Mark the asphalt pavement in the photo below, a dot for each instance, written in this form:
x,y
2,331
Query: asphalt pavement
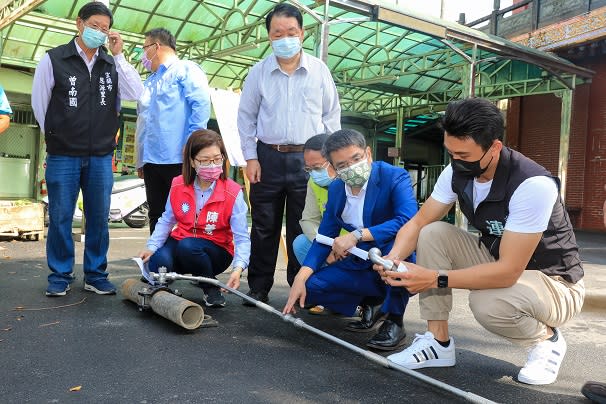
x,y
105,350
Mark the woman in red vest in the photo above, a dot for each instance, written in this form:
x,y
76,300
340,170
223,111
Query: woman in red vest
x,y
204,226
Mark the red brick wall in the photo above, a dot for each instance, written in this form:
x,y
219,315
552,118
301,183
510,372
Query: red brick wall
x,y
595,171
533,127
540,130
512,124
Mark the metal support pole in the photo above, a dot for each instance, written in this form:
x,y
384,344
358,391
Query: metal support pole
x,y
378,359
399,135
324,30
469,88
374,141
472,72
565,121
321,46
494,16
535,15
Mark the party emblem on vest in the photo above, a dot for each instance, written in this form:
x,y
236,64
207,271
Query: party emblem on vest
x,y
208,229
495,228
185,207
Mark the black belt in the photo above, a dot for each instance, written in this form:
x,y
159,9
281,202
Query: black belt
x,y
286,148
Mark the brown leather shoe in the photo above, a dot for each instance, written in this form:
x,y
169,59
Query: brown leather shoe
x,y
369,319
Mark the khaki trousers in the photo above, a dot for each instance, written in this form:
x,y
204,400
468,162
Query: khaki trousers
x,y
520,313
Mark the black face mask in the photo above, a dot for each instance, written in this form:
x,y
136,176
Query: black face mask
x,y
470,169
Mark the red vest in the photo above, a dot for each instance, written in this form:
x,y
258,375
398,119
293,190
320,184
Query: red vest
x,y
212,223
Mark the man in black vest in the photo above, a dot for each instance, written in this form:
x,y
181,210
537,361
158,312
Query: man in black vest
x,y
523,271
76,100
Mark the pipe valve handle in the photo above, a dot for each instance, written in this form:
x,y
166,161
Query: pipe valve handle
x,y
375,256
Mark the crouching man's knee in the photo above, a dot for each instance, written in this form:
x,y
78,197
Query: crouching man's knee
x,y
432,232
495,314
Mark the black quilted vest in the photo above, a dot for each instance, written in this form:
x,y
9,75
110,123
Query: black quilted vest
x,y
557,252
82,115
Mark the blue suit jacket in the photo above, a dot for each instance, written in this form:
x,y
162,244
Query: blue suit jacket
x,y
388,204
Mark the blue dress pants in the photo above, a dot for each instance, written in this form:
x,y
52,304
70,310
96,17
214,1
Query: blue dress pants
x,y
343,289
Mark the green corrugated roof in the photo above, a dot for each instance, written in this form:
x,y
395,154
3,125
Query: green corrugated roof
x,y
395,58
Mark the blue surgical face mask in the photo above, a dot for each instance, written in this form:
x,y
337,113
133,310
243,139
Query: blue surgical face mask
x,y
93,38
286,47
321,177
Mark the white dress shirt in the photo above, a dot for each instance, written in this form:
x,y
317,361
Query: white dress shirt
x,y
278,108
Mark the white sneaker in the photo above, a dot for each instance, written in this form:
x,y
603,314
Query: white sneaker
x,y
425,352
544,361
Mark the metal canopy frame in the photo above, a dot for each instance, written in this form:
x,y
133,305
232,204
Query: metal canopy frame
x,y
11,10
386,60
382,57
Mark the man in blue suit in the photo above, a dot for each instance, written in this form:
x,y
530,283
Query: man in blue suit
x,y
371,201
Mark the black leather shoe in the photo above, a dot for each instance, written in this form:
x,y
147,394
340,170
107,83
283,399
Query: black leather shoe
x,y
369,321
595,391
262,297
390,337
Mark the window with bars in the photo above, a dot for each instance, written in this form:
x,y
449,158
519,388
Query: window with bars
x,y
22,115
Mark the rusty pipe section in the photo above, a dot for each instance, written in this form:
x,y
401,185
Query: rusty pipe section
x,y
188,315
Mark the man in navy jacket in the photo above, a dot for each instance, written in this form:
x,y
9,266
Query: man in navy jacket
x,y
371,201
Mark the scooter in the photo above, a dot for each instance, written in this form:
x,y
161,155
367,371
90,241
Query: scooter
x,y
128,203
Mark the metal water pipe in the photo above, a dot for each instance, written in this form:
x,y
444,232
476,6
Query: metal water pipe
x,y
376,358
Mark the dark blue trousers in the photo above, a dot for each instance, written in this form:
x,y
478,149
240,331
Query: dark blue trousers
x,y
196,256
65,176
342,290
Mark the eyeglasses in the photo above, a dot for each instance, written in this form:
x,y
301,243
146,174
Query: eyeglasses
x,y
98,28
207,162
320,168
147,46
354,160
